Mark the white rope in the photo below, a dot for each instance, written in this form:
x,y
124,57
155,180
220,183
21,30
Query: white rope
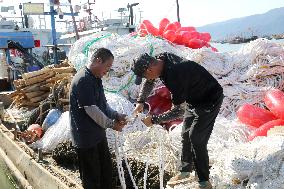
x,y
128,167
145,175
119,163
161,162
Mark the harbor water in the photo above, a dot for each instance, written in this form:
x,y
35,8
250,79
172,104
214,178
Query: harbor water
x,y
6,180
227,47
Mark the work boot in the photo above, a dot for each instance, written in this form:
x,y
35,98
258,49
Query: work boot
x,y
180,178
205,185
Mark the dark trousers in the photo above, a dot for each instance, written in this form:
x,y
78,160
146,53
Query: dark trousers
x,y
95,166
197,128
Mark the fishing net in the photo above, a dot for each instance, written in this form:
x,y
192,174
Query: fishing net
x,y
245,76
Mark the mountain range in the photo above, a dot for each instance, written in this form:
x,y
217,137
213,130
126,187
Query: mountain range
x,y
271,22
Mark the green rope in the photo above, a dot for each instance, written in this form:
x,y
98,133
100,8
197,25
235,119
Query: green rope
x,y
132,76
151,50
126,86
130,81
89,44
135,36
151,45
122,87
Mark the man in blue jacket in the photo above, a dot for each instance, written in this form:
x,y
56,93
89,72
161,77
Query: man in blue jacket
x,y
90,115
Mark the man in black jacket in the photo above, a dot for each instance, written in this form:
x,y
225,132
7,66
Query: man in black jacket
x,y
196,96
90,115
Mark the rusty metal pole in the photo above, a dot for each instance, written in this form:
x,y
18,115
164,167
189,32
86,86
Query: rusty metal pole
x,y
74,22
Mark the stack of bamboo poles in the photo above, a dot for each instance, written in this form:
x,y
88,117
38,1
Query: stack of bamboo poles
x,y
36,86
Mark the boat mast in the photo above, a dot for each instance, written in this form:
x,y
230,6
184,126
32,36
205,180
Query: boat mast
x,y
73,19
178,18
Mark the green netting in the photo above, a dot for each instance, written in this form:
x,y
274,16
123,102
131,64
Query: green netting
x,y
89,44
131,79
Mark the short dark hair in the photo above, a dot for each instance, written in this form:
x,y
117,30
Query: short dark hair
x,y
140,65
102,53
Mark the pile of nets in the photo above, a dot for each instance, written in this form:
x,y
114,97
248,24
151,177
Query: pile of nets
x,y
235,162
245,76
258,164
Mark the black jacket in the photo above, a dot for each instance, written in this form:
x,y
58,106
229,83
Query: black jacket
x,y
188,81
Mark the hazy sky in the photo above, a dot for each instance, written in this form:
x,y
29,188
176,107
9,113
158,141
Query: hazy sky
x,y
192,12
196,12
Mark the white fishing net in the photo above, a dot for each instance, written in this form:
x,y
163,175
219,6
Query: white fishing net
x,y
259,163
244,75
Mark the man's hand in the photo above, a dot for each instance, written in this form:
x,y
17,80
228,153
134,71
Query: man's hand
x,y
122,118
138,109
148,121
118,125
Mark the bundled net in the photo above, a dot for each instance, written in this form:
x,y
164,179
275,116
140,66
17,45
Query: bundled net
x,y
244,75
258,164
